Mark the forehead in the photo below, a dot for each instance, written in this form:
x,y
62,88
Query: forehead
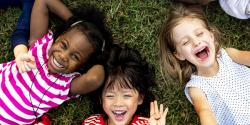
x,y
187,25
118,85
74,34
77,40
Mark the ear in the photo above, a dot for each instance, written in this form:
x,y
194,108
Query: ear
x,y
179,56
140,100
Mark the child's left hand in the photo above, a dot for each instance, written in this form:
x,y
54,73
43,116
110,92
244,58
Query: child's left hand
x,y
157,117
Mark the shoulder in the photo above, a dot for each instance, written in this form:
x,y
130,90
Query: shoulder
x,y
195,81
96,119
139,120
196,93
197,85
47,38
225,54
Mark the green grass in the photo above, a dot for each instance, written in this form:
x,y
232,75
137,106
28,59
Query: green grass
x,y
137,24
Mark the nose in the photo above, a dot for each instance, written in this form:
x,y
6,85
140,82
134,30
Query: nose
x,y
63,56
195,41
118,101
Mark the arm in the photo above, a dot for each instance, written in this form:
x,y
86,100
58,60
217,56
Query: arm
x,y
89,81
238,56
22,30
202,107
40,16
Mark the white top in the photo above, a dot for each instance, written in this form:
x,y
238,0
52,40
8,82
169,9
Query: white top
x,y
236,8
228,92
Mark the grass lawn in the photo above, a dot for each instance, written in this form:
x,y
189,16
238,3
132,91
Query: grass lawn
x,y
137,24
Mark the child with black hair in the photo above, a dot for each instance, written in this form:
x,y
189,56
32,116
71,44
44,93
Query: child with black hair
x,y
125,97
45,76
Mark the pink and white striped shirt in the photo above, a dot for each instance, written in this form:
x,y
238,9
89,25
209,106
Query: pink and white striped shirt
x,y
18,91
97,119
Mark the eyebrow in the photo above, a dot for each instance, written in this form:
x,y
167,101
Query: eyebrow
x,y
65,41
75,50
180,41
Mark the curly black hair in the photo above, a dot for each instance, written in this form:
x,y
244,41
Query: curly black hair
x,y
91,22
127,69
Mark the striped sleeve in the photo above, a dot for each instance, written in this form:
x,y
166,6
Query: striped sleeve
x,y
94,120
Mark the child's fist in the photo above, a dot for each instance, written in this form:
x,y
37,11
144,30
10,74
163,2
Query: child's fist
x,y
25,62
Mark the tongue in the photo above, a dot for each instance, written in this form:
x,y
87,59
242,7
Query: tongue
x,y
119,117
203,54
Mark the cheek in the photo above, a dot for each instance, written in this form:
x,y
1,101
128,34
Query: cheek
x,y
74,66
132,108
181,50
106,106
133,103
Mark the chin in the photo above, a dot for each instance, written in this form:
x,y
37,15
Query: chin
x,y
121,123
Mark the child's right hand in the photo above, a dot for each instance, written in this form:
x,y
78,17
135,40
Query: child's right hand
x,y
157,117
25,62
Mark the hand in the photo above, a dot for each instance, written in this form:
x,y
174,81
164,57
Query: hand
x,y
157,117
25,62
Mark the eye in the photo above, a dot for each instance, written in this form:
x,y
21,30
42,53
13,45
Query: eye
x,y
185,43
127,95
109,96
199,33
75,57
63,45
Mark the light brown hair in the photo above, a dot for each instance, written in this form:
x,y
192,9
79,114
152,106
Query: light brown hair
x,y
172,66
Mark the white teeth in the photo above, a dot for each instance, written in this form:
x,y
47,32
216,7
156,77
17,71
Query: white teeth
x,y
57,63
118,112
201,49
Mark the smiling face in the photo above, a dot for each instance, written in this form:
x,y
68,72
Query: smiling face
x,y
195,43
120,104
69,52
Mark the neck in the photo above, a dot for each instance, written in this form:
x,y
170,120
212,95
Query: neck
x,y
209,71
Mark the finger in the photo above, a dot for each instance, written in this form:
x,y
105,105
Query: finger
x,y
165,112
32,58
26,57
21,68
27,68
161,109
152,111
31,65
156,107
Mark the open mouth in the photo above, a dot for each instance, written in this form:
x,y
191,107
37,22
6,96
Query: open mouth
x,y
57,64
119,114
202,53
